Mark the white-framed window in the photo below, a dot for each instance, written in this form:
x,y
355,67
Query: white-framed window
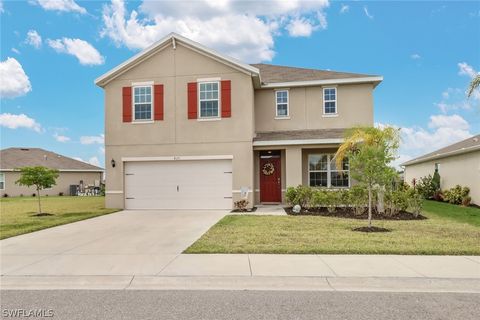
x,y
322,172
2,181
329,100
142,103
281,101
209,99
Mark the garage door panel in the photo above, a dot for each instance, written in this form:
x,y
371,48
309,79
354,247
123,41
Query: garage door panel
x,y
202,184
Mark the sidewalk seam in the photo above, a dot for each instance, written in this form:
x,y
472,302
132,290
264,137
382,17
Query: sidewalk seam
x,y
328,266
128,285
165,266
329,284
249,265
408,267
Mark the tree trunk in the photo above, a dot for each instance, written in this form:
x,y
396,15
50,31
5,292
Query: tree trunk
x,y
39,205
369,206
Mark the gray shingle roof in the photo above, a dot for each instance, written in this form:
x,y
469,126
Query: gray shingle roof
x,y
273,74
300,135
13,158
470,144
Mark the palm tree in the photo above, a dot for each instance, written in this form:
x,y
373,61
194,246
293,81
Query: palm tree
x,y
370,136
473,85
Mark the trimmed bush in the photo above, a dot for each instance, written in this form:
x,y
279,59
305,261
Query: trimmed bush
x,y
300,195
427,187
358,199
456,194
415,201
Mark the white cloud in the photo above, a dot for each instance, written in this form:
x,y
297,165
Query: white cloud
x,y
242,29
61,138
300,27
365,10
1,6
100,139
13,80
93,161
101,150
345,8
466,69
15,121
61,5
82,50
34,39
415,56
452,122
15,50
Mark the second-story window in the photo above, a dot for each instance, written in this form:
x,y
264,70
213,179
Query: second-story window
x,y
281,97
142,103
330,100
209,99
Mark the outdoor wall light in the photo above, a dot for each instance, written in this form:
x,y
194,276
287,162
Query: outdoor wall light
x,y
113,163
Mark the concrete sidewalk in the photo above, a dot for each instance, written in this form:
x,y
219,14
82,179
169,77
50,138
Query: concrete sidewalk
x,y
265,272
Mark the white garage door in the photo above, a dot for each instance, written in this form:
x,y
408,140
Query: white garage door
x,y
184,184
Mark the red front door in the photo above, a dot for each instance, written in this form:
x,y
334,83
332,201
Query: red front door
x,y
270,183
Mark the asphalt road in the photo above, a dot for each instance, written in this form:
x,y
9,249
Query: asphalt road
x,y
210,305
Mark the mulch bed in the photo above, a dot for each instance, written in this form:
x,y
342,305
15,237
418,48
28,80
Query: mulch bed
x,y
43,214
349,213
253,209
371,229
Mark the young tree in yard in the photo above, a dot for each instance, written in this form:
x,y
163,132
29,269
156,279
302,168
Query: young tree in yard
x,y
39,177
370,151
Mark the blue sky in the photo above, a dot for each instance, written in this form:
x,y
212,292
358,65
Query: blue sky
x,y
51,52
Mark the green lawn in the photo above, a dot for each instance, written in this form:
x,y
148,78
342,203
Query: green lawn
x,y
16,214
449,230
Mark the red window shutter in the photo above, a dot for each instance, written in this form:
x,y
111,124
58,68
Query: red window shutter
x,y
192,100
226,99
127,104
158,102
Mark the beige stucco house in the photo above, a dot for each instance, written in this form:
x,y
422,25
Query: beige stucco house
x,y
71,171
458,163
188,127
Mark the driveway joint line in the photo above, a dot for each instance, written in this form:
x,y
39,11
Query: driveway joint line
x,y
329,284
472,260
168,263
129,283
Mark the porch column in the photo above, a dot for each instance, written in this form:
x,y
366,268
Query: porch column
x,y
293,166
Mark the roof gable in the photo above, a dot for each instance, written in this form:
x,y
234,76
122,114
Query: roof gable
x,y
13,158
172,40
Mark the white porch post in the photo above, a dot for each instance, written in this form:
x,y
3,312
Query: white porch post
x,y
293,166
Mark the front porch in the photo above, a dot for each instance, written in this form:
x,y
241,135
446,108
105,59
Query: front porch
x,y
278,167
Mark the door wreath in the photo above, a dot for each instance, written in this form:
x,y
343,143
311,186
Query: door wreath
x,y
268,169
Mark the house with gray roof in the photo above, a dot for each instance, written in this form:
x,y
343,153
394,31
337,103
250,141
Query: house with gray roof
x,y
458,163
190,128
71,171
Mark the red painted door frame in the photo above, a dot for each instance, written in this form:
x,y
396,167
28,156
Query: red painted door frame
x,y
270,180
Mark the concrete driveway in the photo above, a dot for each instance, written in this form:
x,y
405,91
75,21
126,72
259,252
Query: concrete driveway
x,y
126,243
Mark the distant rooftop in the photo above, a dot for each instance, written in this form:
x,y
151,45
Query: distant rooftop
x,y
13,158
467,145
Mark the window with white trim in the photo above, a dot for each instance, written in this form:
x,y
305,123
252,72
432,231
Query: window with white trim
x,y
2,181
329,100
322,172
142,103
209,99
281,98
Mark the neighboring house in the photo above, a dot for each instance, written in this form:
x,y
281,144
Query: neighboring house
x,y
187,127
458,163
71,171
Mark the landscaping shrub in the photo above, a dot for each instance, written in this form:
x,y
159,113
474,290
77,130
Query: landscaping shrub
x,y
456,194
241,205
358,199
466,201
319,198
396,201
300,195
415,201
436,180
427,187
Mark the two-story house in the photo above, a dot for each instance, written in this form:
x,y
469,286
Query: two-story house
x,y
187,127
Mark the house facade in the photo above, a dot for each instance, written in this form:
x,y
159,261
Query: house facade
x,y
71,172
457,164
187,127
